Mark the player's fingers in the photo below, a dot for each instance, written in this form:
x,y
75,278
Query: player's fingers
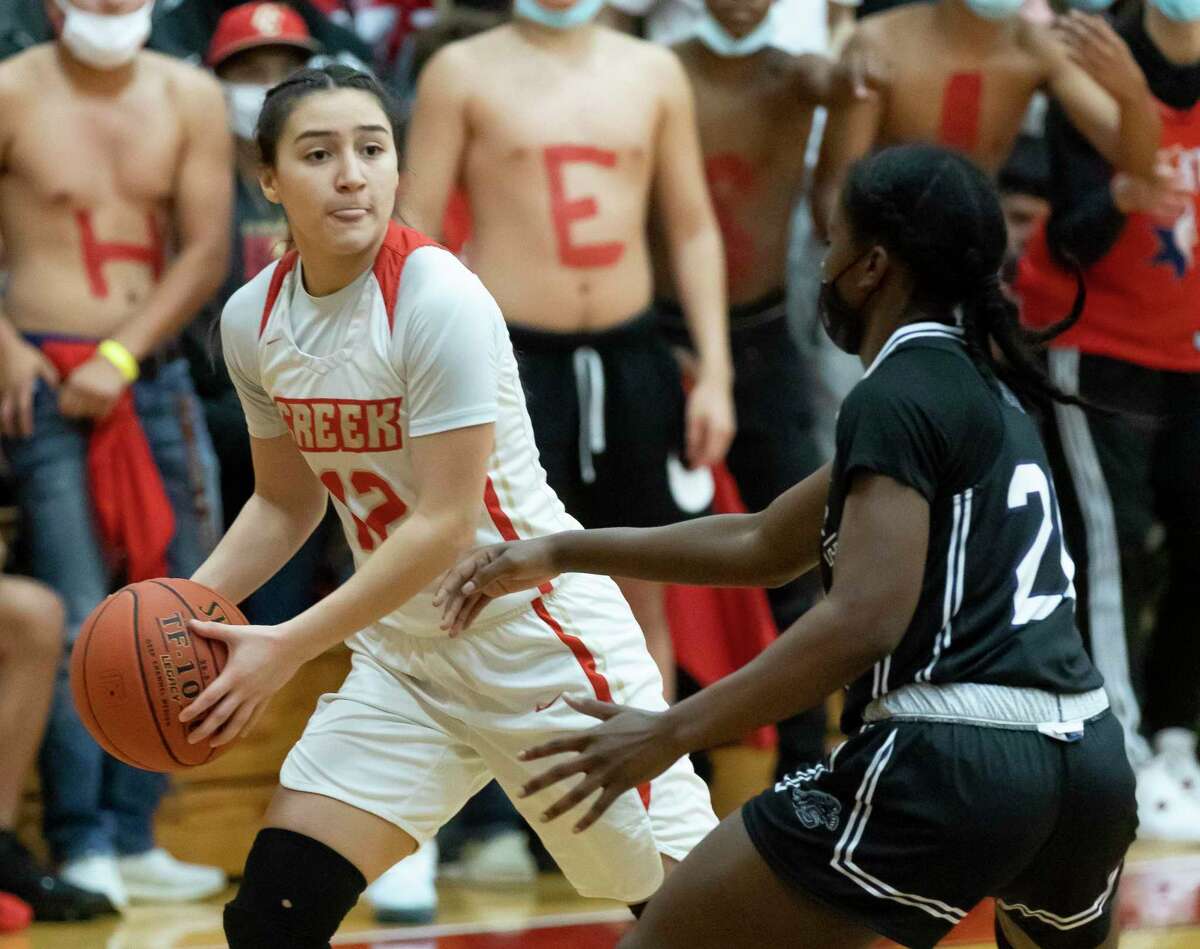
x,y
467,607
491,574
256,717
456,618
596,811
216,717
235,726
216,691
473,608
477,605
581,792
440,591
558,746
452,580
552,777
451,607
593,707
221,631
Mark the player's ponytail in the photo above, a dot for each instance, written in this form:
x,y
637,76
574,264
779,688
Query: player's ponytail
x,y
940,215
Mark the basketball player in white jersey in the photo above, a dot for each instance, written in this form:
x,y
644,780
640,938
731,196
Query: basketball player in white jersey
x,y
374,367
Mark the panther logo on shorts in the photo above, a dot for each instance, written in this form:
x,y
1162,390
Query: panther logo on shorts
x,y
817,809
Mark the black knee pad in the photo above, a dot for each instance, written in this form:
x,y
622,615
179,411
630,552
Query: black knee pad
x,y
295,893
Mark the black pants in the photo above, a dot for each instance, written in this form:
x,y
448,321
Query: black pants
x,y
772,452
1129,484
607,411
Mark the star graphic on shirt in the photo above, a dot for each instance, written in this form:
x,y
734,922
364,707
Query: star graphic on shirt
x,y
1177,243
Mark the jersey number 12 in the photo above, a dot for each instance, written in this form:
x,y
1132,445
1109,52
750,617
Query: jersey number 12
x,y
1027,480
389,509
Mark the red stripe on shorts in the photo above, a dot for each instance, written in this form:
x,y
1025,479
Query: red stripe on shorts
x,y
579,650
588,663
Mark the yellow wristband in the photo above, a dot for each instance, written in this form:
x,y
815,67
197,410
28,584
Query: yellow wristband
x,y
120,357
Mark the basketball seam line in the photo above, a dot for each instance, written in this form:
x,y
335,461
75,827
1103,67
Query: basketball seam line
x,y
212,655
87,645
146,686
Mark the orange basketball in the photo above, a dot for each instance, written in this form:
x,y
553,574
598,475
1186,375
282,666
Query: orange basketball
x,y
135,667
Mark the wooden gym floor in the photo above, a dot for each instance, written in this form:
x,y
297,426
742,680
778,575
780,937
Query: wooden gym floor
x,y
1160,909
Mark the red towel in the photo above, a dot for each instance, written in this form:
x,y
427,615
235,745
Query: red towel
x,y
133,512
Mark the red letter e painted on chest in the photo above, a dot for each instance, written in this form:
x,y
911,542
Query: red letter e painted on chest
x,y
565,212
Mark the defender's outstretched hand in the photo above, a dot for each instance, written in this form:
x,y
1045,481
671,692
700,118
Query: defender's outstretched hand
x,y
488,573
629,749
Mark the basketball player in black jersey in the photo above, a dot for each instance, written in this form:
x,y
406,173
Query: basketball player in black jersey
x,y
983,759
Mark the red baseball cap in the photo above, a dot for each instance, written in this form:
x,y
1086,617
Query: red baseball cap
x,y
252,25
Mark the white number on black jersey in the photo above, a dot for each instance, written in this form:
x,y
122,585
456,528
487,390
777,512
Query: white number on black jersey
x,y
1029,480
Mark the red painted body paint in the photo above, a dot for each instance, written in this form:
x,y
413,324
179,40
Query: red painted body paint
x,y
565,212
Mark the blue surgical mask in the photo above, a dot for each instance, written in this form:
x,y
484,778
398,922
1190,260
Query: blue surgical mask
x,y
584,11
995,9
1090,6
723,43
1181,11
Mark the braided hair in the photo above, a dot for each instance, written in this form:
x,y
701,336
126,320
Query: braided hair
x,y
283,98
939,214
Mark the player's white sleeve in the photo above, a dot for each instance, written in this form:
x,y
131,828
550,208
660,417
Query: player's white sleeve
x,y
449,350
239,342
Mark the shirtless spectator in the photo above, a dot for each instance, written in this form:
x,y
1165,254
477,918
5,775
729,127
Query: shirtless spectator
x,y
754,108
560,130
114,205
961,73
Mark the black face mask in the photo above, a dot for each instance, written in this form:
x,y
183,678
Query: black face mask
x,y
844,324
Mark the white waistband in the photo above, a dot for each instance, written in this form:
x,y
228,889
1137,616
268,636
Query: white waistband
x,y
998,706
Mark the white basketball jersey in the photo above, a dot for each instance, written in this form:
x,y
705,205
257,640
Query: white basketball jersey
x,y
355,376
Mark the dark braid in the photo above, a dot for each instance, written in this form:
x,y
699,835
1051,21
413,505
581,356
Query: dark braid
x,y
940,215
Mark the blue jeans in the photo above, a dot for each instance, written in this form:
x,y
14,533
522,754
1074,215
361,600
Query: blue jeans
x,y
94,804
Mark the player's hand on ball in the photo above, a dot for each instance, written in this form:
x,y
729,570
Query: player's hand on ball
x,y
491,572
630,748
261,660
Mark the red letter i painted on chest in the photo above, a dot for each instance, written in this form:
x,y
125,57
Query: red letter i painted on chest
x,y
961,104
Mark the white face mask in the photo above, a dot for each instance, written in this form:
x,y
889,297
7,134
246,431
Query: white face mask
x,y
105,42
244,100
724,43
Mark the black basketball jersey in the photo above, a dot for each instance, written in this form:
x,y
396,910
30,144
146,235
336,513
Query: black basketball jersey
x,y
997,603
